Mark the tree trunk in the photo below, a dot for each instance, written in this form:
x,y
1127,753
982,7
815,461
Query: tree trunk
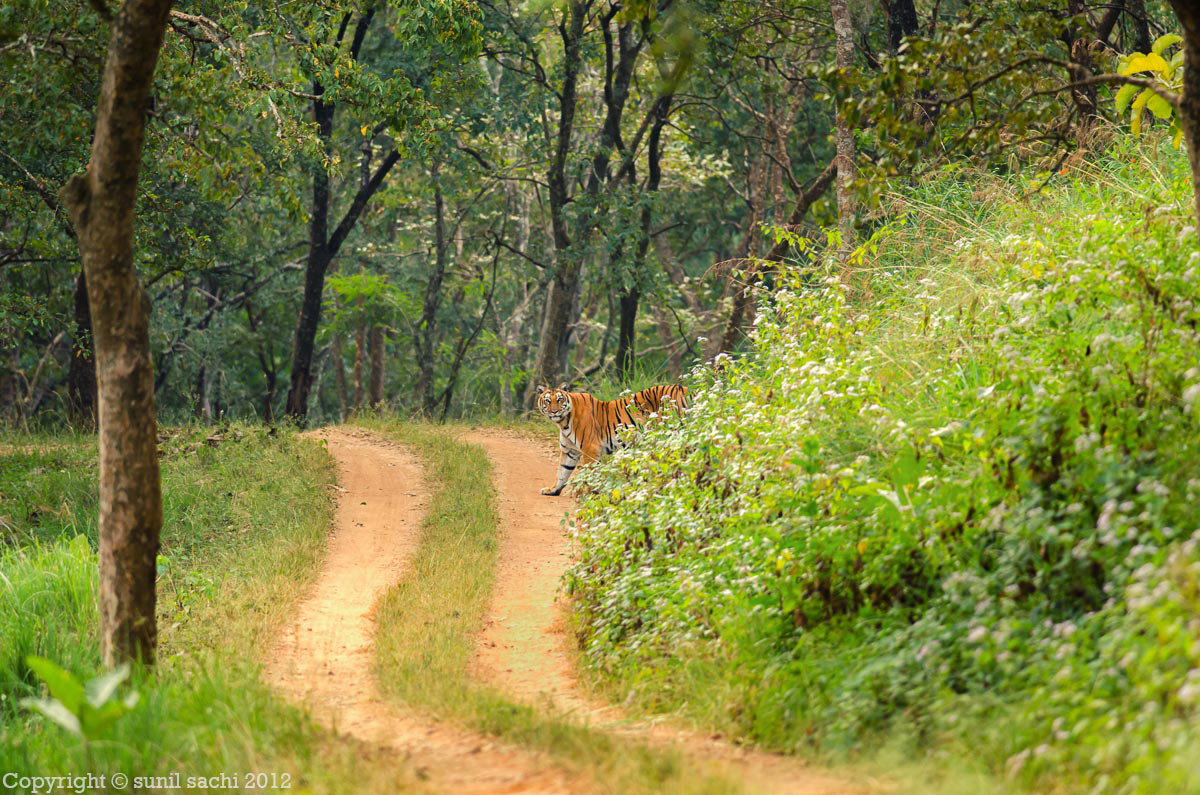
x,y
321,254
100,203
203,403
268,412
81,373
427,327
901,21
315,268
10,383
1189,107
376,348
360,350
1084,96
1141,26
626,333
339,375
666,333
844,32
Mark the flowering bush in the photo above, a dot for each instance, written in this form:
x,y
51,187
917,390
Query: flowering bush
x,y
956,505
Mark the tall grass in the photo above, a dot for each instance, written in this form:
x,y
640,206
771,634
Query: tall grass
x,y
246,516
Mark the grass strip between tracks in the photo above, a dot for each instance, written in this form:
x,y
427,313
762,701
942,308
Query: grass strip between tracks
x,y
427,625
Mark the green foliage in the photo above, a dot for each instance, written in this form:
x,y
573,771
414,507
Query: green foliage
x,y
360,299
949,500
85,710
241,543
1166,73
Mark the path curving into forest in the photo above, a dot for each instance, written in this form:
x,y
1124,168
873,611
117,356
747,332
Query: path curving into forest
x,y
524,648
323,657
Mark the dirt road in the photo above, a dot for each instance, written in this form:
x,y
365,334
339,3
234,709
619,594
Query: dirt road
x,y
323,658
524,648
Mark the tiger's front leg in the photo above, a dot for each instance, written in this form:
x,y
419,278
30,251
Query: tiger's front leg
x,y
570,460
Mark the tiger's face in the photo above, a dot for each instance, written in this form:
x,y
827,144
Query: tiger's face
x,y
554,404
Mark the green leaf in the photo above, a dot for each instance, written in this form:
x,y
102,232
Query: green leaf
x,y
54,710
96,721
62,683
100,689
1160,107
1139,105
1138,62
1124,96
1163,42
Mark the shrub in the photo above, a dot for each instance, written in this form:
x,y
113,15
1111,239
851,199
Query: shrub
x,y
954,502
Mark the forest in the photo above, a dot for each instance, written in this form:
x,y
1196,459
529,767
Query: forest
x,y
280,287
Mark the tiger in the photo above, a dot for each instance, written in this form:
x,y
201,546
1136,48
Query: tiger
x,y
589,428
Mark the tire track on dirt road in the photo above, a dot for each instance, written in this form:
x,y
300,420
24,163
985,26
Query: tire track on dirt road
x,y
524,647
323,657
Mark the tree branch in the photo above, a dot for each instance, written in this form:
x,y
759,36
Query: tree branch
x,y
360,202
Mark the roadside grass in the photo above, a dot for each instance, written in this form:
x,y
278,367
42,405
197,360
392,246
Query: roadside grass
x,y
943,513
427,625
246,517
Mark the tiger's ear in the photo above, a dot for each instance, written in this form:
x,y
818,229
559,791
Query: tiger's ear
x,y
541,389
564,386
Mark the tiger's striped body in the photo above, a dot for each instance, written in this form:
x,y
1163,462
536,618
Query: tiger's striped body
x,y
589,428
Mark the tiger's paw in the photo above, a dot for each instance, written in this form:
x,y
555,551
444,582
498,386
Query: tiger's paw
x,y
551,491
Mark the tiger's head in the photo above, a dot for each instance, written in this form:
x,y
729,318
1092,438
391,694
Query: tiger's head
x,y
554,404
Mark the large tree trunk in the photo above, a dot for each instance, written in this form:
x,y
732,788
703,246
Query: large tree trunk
x,y
81,373
1189,108
844,32
101,205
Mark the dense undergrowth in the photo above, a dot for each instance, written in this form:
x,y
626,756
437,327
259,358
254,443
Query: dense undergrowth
x,y
246,513
949,500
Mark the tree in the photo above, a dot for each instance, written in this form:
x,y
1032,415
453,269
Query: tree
x,y
434,32
844,36
101,205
